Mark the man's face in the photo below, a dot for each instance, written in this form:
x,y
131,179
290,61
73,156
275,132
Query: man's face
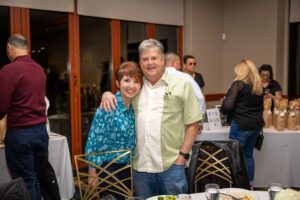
x,y
152,64
191,64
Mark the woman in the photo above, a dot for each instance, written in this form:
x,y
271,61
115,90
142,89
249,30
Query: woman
x,y
271,88
244,105
115,130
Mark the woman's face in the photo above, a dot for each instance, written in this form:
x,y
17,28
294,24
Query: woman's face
x,y
265,76
129,87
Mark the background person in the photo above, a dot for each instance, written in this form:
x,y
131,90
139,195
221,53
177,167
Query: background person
x,y
244,105
22,98
167,117
115,130
173,66
271,87
189,66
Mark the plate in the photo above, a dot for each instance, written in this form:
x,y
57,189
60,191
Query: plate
x,y
163,197
237,192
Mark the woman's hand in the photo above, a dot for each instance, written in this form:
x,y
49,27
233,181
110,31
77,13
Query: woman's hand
x,y
277,95
108,101
92,180
268,95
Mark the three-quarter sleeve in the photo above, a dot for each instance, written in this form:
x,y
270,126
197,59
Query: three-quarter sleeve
x,y
230,98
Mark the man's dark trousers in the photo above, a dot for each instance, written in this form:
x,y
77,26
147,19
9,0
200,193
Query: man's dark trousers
x,y
26,151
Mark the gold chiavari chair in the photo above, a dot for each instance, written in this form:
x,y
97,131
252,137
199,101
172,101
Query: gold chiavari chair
x,y
213,164
220,162
107,181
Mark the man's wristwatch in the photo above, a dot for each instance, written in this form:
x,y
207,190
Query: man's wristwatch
x,y
185,155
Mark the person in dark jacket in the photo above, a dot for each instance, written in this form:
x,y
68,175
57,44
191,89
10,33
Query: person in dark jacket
x,y
244,105
189,67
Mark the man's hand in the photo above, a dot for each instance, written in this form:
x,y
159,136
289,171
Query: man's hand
x,y
200,128
189,139
180,160
108,101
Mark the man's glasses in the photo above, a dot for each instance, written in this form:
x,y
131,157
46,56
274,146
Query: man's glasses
x,y
192,63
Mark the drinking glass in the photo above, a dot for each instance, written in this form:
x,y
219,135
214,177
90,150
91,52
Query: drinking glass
x,y
212,191
273,189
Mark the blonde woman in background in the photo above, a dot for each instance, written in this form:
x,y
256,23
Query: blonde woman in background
x,y
244,106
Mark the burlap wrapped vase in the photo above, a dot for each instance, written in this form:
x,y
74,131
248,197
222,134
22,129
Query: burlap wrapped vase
x,y
297,111
267,113
276,111
292,119
281,120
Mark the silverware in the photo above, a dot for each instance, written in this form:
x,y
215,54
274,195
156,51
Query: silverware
x,y
233,197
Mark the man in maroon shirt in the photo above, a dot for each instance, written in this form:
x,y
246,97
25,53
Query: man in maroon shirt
x,y
22,98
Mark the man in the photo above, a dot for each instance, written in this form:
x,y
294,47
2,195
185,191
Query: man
x,y
189,66
173,66
22,98
167,118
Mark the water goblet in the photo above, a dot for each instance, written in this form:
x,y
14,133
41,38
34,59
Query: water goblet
x,y
212,191
273,189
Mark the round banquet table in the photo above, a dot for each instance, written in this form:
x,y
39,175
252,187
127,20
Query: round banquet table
x,y
262,195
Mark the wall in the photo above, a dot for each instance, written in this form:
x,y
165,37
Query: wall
x,y
202,38
254,29
251,28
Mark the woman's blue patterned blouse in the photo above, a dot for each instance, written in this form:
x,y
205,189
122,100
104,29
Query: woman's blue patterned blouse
x,y
111,131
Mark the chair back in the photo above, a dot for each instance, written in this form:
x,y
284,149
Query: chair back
x,y
220,162
14,189
107,180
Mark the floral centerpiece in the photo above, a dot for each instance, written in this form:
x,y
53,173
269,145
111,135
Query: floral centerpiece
x,y
288,194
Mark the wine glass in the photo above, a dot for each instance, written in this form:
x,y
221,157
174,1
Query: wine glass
x,y
212,191
273,189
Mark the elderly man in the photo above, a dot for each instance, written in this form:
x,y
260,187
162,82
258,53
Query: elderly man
x,y
22,93
167,118
173,66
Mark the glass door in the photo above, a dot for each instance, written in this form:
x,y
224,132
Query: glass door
x,y
132,34
168,37
4,34
95,67
49,48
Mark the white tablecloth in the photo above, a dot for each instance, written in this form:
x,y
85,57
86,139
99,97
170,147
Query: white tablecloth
x,y
259,194
59,157
278,160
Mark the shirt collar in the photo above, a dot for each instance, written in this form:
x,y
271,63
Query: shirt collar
x,y
121,105
163,80
24,57
171,69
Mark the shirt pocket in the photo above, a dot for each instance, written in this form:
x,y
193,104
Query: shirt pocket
x,y
173,104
